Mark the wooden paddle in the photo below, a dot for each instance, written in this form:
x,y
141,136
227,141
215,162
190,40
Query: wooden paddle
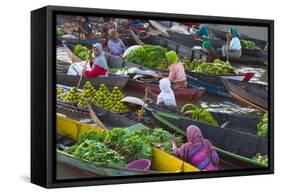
x,y
142,108
93,115
79,82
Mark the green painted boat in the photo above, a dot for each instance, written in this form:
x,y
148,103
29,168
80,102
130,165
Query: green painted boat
x,y
236,141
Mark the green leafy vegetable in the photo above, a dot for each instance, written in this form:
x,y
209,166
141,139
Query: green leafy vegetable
x,y
120,146
259,158
60,32
262,126
81,51
150,56
96,152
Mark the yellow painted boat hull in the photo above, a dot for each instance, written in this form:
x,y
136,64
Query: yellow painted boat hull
x,y
162,162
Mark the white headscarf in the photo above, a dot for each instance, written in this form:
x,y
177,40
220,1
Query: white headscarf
x,y
166,95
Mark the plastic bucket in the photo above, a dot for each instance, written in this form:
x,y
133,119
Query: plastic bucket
x,y
140,165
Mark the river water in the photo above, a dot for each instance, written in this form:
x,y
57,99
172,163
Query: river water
x,y
213,103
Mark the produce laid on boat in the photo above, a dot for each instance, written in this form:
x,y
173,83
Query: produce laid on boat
x,y
125,122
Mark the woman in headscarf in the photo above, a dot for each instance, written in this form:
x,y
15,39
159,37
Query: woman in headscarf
x,y
208,49
233,48
99,65
166,96
197,151
177,74
203,31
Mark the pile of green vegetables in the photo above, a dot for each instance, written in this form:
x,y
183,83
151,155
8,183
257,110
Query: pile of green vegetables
x,y
259,158
262,126
81,51
198,114
60,32
150,56
247,44
215,68
119,146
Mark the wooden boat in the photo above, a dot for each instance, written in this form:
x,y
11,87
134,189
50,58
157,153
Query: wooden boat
x,y
212,84
110,82
183,93
221,35
162,162
236,141
251,94
78,41
216,42
185,48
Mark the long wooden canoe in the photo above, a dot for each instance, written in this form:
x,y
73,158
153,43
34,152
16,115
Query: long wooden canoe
x,y
251,94
78,41
217,43
110,82
183,93
237,140
162,162
221,35
212,83
184,49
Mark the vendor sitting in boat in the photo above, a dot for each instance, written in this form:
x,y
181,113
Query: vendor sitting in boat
x,y
233,49
115,45
166,96
99,65
85,27
209,50
197,151
177,74
203,31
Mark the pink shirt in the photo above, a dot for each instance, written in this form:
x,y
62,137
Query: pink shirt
x,y
177,73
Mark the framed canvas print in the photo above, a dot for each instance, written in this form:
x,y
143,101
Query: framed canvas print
x,y
127,96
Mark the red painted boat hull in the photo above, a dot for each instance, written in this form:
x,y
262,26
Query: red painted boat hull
x,y
182,93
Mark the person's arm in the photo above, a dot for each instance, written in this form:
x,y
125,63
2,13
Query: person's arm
x,y
172,74
148,91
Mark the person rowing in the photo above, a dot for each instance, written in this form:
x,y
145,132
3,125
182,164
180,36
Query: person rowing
x,y
232,49
166,96
98,65
177,75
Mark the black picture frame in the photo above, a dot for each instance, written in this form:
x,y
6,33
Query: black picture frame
x,y
43,90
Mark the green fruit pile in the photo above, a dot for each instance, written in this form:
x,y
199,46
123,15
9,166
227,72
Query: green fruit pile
x,y
116,95
72,96
262,126
88,93
247,44
102,98
120,107
104,90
